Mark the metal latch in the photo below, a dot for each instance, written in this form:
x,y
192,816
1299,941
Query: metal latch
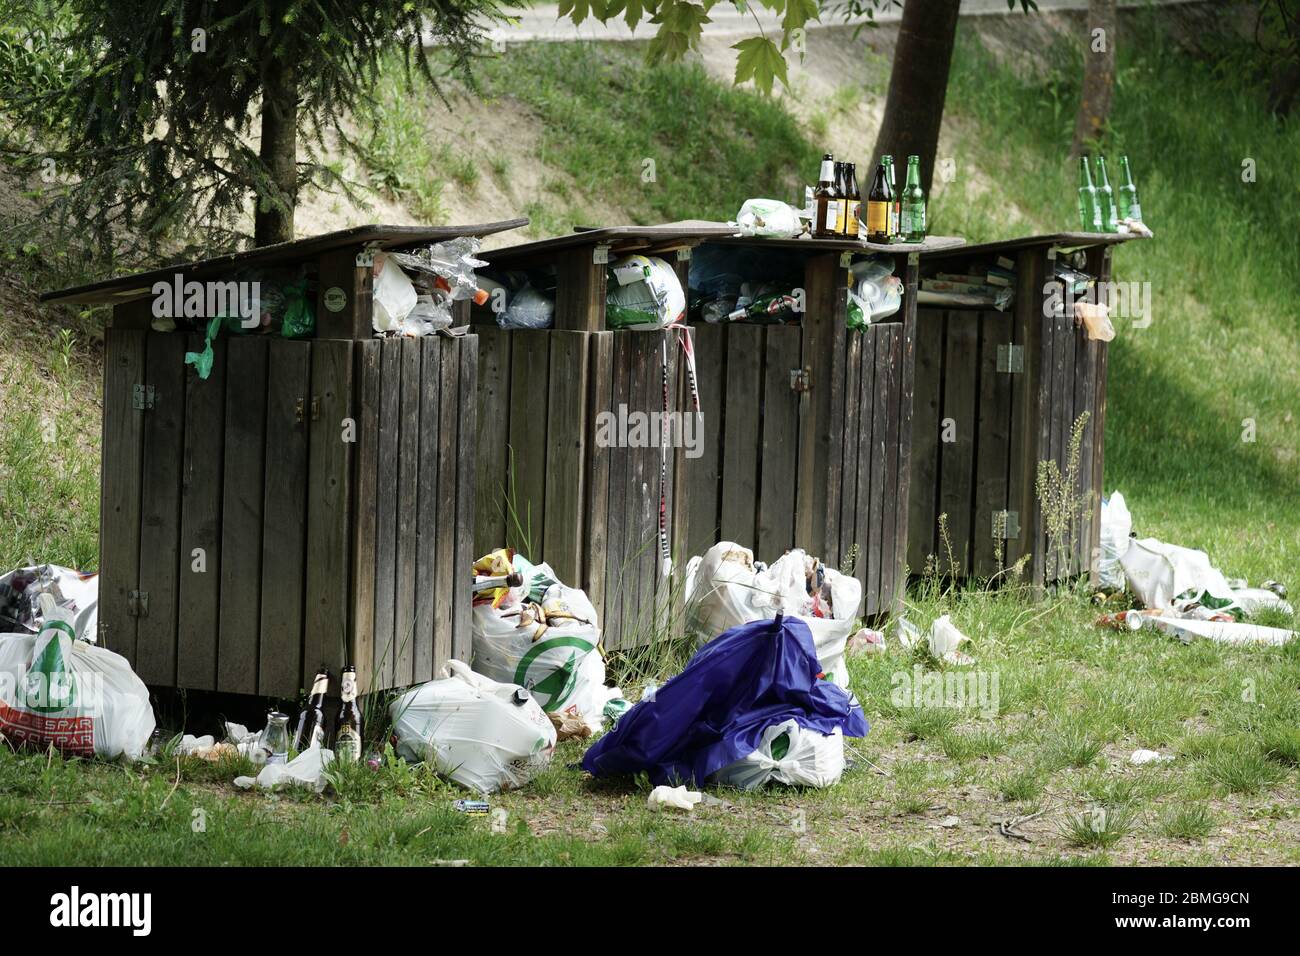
x,y
138,604
1006,524
298,413
315,408
142,396
801,379
913,258
846,259
600,255
1011,358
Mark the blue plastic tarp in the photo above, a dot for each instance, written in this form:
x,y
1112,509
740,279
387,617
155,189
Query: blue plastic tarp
x,y
714,712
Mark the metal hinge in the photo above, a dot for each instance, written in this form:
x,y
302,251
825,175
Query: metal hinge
x,y
913,258
801,379
846,259
600,255
1006,524
1011,358
366,257
142,396
684,254
138,604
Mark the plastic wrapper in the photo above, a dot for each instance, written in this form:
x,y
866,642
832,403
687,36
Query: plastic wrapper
x,y
876,293
528,309
768,218
789,754
72,591
484,735
394,296
453,261
644,293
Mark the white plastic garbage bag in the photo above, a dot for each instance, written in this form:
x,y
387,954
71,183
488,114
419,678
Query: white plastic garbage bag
x,y
394,296
1158,572
482,734
21,590
769,218
1116,526
806,759
554,660
305,770
643,293
82,699
724,590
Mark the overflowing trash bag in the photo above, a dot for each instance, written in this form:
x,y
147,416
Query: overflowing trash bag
x,y
59,691
717,711
789,754
644,293
1158,573
528,309
874,293
1116,527
72,591
769,219
725,588
484,735
539,634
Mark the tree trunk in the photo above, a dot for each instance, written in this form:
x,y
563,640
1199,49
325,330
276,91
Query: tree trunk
x,y
273,221
1098,75
918,85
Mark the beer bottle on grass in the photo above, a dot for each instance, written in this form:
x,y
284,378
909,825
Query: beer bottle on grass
x,y
347,740
311,722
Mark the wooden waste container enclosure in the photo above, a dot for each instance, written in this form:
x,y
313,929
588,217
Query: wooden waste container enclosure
x,y
310,502
995,394
781,419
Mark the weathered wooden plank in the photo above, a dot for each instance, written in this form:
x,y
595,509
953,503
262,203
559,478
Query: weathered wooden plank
x,y
1062,386
566,449
618,522
579,291
284,508
160,513
408,484
344,299
1043,419
740,453
387,494
119,510
329,499
1027,322
1085,381
992,443
957,456
365,485
824,286
704,485
493,438
907,399
851,523
922,502
863,399
242,514
778,483
426,551
600,398
832,546
893,500
641,558
466,493
529,388
200,545
450,578
873,537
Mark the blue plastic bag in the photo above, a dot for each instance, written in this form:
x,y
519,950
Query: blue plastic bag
x,y
714,712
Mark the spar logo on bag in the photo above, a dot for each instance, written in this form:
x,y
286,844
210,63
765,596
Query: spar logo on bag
x,y
553,666
48,686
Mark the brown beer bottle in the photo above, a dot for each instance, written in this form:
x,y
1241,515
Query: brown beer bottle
x,y
879,206
852,202
311,722
825,204
347,738
842,194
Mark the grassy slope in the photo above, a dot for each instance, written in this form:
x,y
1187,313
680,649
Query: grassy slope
x,y
1073,701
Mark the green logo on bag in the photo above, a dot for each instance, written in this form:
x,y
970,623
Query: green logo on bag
x,y
560,680
48,686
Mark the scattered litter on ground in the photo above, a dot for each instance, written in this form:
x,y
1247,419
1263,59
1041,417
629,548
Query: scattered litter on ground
x,y
943,640
486,736
305,770
866,641
1221,632
475,808
716,711
674,798
1140,758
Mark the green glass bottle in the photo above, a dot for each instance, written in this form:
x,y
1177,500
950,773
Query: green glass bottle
x,y
912,215
1129,207
1105,198
1089,211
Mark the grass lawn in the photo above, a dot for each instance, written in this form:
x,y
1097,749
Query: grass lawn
x,y
1202,437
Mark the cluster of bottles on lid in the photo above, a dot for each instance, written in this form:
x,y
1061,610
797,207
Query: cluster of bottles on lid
x,y
885,214
1102,209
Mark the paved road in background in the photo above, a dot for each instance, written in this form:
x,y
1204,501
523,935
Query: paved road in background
x,y
543,23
